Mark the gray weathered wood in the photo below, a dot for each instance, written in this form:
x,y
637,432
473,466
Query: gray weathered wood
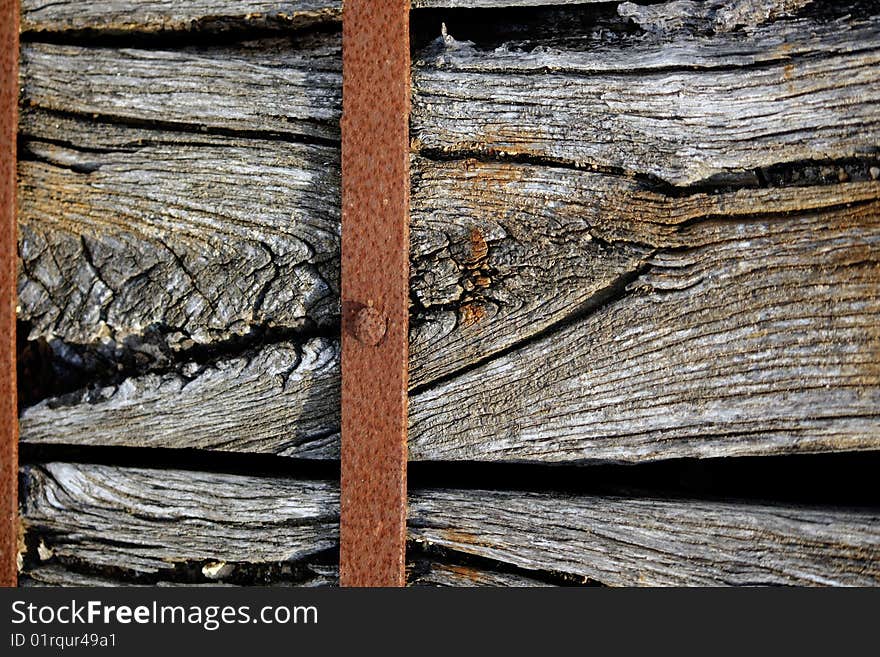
x,y
292,88
756,336
147,520
709,15
281,399
724,13
550,258
55,573
425,572
164,15
681,107
207,236
502,251
141,520
436,573
624,541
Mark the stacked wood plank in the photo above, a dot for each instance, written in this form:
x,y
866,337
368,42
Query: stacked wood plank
x,y
179,250
639,233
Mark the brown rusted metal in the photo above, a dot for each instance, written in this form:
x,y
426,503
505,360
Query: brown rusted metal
x,y
8,250
375,290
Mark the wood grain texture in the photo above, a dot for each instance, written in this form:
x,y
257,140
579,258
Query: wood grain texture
x,y
422,572
124,228
290,86
654,542
503,251
755,336
147,521
164,15
280,399
712,15
494,4
55,573
723,13
679,106
429,572
615,336
500,252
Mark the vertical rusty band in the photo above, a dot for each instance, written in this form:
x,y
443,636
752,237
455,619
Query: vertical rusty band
x,y
375,290
8,250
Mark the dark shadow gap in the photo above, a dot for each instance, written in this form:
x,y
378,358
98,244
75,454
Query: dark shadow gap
x,y
52,369
845,478
190,128
209,31
801,173
580,27
160,458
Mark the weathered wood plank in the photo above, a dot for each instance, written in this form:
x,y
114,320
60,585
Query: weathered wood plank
x,y
554,245
146,520
720,12
429,572
682,107
500,252
281,399
423,572
756,336
206,236
164,15
714,15
503,251
642,542
54,573
291,87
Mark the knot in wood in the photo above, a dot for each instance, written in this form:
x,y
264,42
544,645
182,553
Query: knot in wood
x,y
369,326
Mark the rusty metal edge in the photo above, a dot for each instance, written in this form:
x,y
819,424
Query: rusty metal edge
x,y
9,17
375,291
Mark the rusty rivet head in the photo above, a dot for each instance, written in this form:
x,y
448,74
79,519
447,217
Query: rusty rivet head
x,y
369,326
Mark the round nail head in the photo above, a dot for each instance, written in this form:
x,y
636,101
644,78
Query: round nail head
x,y
369,326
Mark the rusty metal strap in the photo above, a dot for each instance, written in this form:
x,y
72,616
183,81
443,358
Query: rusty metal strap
x,y
8,250
375,290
